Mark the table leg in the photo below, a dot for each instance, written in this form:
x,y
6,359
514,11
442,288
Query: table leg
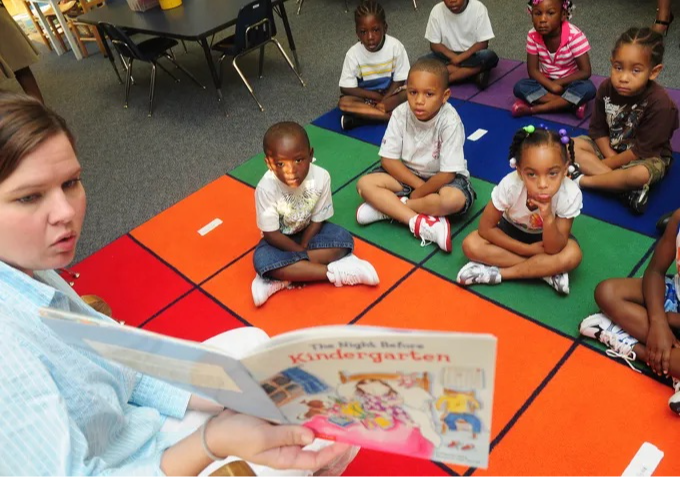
x,y
211,66
281,10
108,51
48,29
67,31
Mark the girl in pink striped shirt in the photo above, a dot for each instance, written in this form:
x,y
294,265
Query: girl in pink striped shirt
x,y
557,62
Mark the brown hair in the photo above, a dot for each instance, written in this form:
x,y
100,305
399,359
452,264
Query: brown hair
x,y
25,123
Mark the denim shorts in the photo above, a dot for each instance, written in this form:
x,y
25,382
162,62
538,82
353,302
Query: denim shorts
x,y
520,235
671,302
459,182
267,257
576,92
487,59
656,166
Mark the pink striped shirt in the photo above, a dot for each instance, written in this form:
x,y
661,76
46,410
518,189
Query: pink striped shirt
x,y
573,44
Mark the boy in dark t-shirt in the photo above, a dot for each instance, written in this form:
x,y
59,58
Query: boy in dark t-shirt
x,y
628,146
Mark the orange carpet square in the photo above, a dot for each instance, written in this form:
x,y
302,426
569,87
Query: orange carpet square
x,y
590,419
173,234
130,279
526,352
312,305
195,317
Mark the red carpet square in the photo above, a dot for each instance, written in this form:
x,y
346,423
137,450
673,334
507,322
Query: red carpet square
x,y
130,279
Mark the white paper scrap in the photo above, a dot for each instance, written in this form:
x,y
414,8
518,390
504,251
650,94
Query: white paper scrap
x,y
209,227
477,135
645,461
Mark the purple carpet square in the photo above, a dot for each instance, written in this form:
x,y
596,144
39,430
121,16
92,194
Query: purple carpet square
x,y
675,140
499,94
465,91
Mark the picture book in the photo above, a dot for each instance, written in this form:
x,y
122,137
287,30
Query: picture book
x,y
425,394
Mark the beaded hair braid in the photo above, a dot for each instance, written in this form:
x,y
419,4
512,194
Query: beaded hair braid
x,y
369,7
530,136
567,6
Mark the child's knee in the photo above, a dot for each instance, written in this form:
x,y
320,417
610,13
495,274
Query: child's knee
x,y
638,176
470,245
572,259
344,103
605,293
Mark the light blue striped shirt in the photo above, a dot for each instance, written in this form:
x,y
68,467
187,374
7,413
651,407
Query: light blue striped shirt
x,y
68,412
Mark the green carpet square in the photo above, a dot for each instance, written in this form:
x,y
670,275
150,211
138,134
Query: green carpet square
x,y
394,237
608,251
343,157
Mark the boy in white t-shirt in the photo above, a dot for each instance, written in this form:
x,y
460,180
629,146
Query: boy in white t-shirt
x,y
374,70
423,175
459,32
293,201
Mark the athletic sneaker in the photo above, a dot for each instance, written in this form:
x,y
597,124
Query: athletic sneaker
x,y
474,273
263,288
367,214
636,200
620,343
577,174
559,282
351,270
674,401
432,229
580,111
520,108
482,79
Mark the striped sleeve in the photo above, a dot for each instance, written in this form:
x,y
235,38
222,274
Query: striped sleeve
x,y
532,47
578,44
162,396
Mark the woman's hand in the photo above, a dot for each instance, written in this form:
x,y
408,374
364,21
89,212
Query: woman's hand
x,y
259,442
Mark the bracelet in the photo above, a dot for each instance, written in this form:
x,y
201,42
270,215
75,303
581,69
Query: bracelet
x,y
204,443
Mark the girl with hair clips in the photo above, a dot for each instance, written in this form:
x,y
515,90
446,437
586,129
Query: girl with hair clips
x,y
525,229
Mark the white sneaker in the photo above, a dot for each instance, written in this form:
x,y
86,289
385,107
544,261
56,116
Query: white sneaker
x,y
559,282
263,288
367,214
351,270
620,343
674,401
474,273
432,229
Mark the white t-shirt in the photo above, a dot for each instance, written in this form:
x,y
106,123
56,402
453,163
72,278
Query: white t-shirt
x,y
290,210
459,31
426,147
510,197
375,70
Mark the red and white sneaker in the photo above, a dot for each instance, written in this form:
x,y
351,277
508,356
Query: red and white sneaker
x,y
580,111
432,229
520,108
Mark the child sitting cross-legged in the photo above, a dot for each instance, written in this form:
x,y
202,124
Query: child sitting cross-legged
x,y
628,147
423,175
524,231
293,201
557,62
640,318
374,71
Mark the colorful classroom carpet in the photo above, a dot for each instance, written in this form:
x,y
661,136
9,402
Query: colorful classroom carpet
x,y
561,405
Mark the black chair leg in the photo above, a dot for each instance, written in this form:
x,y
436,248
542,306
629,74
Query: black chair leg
x,y
261,60
290,63
168,72
185,71
152,88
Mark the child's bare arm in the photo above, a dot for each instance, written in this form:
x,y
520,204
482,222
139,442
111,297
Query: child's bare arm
x,y
362,93
400,172
479,46
621,159
309,233
556,232
605,146
535,73
395,85
282,242
489,231
583,73
433,184
443,50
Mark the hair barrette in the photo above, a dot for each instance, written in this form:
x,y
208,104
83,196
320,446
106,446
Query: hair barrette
x,y
513,163
529,129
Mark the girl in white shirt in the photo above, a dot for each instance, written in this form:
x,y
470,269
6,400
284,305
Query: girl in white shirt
x,y
525,230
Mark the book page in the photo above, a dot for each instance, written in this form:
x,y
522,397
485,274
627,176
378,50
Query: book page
x,y
422,394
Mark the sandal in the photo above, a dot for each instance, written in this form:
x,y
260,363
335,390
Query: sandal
x,y
665,23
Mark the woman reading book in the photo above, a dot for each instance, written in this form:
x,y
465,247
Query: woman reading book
x,y
69,412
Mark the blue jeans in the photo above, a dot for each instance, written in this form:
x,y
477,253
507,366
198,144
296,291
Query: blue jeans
x,y
671,301
577,92
471,419
267,257
487,59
